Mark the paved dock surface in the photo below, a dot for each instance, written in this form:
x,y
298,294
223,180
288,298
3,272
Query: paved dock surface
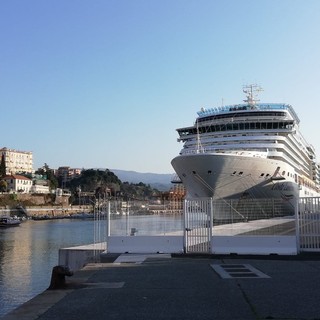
x,y
184,287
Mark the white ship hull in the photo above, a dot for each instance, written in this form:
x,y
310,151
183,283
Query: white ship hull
x,y
237,178
229,176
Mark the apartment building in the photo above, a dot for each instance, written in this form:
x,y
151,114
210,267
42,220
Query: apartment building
x,y
65,174
17,161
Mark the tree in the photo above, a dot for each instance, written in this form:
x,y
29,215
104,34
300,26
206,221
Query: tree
x,y
49,174
3,168
3,186
100,182
95,181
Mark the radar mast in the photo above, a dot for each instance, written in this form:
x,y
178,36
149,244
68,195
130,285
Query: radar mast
x,y
251,92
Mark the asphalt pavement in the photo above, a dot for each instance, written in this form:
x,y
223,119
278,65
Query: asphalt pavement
x,y
161,286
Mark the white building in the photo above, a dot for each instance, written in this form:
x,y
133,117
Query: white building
x,y
17,161
37,188
17,183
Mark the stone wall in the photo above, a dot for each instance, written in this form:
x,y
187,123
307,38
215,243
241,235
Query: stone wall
x,y
38,205
14,199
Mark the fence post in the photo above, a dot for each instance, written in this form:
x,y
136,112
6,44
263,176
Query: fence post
x,y
297,224
211,225
185,226
108,220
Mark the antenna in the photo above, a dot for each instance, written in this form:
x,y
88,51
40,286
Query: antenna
x,y
251,92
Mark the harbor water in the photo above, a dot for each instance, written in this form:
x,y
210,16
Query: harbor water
x,y
29,252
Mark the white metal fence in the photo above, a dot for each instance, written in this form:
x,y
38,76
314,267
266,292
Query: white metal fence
x,y
239,226
206,218
309,224
264,226
198,225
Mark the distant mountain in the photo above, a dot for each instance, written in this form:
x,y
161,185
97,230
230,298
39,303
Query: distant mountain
x,y
159,181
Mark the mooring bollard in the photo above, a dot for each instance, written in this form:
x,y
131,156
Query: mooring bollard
x,y
58,277
133,231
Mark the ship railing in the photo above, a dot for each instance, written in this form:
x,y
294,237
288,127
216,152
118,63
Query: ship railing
x,y
262,106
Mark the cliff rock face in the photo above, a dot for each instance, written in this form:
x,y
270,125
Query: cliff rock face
x,y
25,199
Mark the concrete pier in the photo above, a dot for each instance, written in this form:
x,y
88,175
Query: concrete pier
x,y
161,286
77,257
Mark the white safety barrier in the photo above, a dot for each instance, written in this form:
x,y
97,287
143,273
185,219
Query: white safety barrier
x,y
145,244
261,245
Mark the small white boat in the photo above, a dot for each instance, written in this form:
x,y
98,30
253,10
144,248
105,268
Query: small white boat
x,y
9,222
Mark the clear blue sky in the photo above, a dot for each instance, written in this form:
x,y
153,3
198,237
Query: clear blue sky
x,y
101,83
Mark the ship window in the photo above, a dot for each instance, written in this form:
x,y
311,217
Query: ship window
x,y
267,175
209,171
283,173
193,172
262,174
240,173
234,172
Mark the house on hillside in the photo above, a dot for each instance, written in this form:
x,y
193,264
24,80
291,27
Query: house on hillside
x,y
18,183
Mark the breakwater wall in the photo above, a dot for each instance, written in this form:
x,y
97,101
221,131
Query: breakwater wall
x,y
27,199
45,211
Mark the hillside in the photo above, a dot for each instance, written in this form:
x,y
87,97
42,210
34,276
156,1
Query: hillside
x,y
159,181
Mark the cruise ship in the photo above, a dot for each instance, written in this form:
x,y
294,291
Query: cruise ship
x,y
248,152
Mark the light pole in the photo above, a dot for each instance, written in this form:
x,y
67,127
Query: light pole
x,y
79,194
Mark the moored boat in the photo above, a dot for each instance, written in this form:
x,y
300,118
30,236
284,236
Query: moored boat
x,y
9,222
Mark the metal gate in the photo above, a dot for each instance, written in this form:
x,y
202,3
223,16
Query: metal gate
x,y
308,234
197,225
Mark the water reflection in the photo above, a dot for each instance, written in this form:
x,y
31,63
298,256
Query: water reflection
x,y
28,253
